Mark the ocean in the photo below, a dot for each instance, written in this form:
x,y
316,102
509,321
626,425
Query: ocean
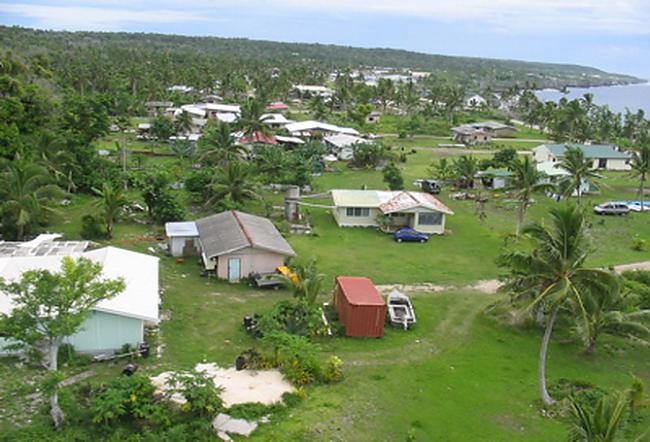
x,y
618,98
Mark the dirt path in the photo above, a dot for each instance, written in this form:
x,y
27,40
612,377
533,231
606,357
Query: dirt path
x,y
484,286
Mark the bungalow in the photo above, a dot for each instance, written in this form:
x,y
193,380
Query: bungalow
x,y
235,244
495,128
602,156
343,145
473,101
275,120
310,128
156,108
554,174
469,135
112,322
365,208
308,91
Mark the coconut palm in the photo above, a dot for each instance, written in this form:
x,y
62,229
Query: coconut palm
x,y
610,311
307,283
250,120
111,203
553,272
525,181
601,423
218,146
641,169
442,170
27,191
466,167
183,123
233,183
579,172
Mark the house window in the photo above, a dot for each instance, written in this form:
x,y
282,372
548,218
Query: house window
x,y
358,211
602,163
430,219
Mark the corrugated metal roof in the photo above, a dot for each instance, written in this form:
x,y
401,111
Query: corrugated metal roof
x,y
302,126
590,150
230,231
140,297
359,290
182,228
388,201
344,140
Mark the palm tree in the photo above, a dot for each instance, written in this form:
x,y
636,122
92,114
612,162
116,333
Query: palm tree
x,y
233,183
600,423
641,169
442,170
111,203
610,311
466,167
317,107
307,283
553,272
218,146
525,181
250,120
183,123
27,191
579,172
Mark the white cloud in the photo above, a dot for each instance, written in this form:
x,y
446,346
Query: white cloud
x,y
94,18
514,16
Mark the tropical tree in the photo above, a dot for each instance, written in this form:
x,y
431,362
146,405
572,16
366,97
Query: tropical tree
x,y
111,203
602,423
250,120
27,192
553,272
442,170
307,282
641,169
183,123
317,107
466,168
50,306
162,127
609,310
218,146
393,177
525,181
579,172
233,184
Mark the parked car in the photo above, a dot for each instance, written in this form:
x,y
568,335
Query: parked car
x,y
611,209
431,186
407,234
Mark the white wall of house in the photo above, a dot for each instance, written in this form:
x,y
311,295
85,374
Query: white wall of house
x,y
344,220
542,154
612,164
183,246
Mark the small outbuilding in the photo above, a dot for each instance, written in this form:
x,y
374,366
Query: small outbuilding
x,y
361,309
182,238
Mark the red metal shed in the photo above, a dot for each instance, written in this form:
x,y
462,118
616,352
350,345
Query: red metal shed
x,y
360,307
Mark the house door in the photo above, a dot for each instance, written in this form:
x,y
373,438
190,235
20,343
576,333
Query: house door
x,y
234,269
602,163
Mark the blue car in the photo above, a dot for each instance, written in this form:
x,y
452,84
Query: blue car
x,y
411,235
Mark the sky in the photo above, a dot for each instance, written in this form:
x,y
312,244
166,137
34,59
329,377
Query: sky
x,y
613,35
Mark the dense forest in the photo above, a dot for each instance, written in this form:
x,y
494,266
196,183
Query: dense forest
x,y
145,60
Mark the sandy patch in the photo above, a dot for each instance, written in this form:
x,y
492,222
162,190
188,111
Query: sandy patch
x,y
239,387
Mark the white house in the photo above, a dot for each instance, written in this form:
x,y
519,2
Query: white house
x,y
310,128
474,101
343,145
603,156
182,238
112,322
365,208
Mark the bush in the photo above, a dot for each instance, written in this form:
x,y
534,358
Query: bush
x,y
295,356
333,372
639,244
129,398
92,228
199,391
197,182
67,356
581,392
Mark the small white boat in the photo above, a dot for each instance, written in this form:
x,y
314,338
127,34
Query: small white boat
x,y
400,310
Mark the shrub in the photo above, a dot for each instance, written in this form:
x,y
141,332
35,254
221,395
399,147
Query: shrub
x,y
128,398
68,356
199,391
92,227
639,244
332,371
295,356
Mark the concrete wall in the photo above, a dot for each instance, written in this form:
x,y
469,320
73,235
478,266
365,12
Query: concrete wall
x,y
103,332
251,261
